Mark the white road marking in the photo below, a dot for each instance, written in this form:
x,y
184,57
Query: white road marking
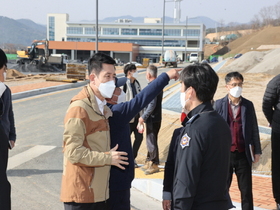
x,y
27,155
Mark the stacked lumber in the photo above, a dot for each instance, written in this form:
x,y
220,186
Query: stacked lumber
x,y
76,71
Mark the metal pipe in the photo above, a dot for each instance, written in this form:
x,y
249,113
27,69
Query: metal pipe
x,y
162,41
186,44
96,28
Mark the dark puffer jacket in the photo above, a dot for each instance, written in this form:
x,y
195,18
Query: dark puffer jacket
x,y
271,103
7,118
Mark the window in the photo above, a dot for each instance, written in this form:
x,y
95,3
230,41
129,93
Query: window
x,y
192,32
150,32
89,30
51,28
74,30
172,32
110,31
167,43
129,31
73,39
193,43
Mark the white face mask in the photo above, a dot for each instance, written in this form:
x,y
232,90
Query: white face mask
x,y
2,88
121,98
107,89
182,99
235,92
4,75
135,74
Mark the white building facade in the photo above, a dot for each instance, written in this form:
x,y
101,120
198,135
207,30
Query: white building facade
x,y
147,35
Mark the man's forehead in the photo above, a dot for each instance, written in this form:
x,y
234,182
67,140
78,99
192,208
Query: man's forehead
x,y
235,79
108,69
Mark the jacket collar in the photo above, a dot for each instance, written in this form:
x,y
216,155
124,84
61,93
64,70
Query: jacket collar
x,y
88,96
206,106
226,98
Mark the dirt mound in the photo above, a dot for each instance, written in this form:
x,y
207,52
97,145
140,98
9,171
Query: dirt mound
x,y
245,62
267,36
12,73
255,62
270,63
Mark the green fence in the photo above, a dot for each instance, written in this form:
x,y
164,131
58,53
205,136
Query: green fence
x,y
224,56
11,56
212,56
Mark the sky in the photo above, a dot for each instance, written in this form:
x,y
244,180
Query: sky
x,y
241,11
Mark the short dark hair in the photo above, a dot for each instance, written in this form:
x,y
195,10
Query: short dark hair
x,y
202,78
129,67
152,69
96,61
3,59
235,75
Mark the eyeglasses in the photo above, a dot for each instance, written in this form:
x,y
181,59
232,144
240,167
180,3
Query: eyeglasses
x,y
240,84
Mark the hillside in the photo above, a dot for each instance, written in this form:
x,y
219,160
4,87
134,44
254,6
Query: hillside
x,y
249,41
213,36
267,36
21,32
33,25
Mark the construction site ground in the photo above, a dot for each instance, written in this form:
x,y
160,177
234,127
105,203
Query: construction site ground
x,y
254,87
262,39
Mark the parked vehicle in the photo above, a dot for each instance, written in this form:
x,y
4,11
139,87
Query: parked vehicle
x,y
135,63
170,58
193,57
237,55
214,59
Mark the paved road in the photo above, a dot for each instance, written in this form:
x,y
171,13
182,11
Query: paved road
x,y
35,164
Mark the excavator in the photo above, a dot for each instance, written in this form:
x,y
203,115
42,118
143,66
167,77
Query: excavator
x,y
33,60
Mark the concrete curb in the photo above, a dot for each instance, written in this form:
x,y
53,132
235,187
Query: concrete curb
x,y
150,187
16,96
153,188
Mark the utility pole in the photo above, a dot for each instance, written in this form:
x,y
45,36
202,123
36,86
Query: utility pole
x,y
186,44
162,41
96,28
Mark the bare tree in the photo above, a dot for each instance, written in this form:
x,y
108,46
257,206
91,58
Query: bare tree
x,y
221,28
256,22
10,48
232,26
277,13
266,14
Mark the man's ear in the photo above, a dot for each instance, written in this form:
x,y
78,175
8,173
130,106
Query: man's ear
x,y
92,77
191,91
226,86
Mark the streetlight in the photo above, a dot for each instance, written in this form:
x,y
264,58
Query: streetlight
x,y
162,41
96,30
186,44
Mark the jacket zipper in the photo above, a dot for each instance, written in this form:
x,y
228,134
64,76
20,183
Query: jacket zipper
x,y
108,141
